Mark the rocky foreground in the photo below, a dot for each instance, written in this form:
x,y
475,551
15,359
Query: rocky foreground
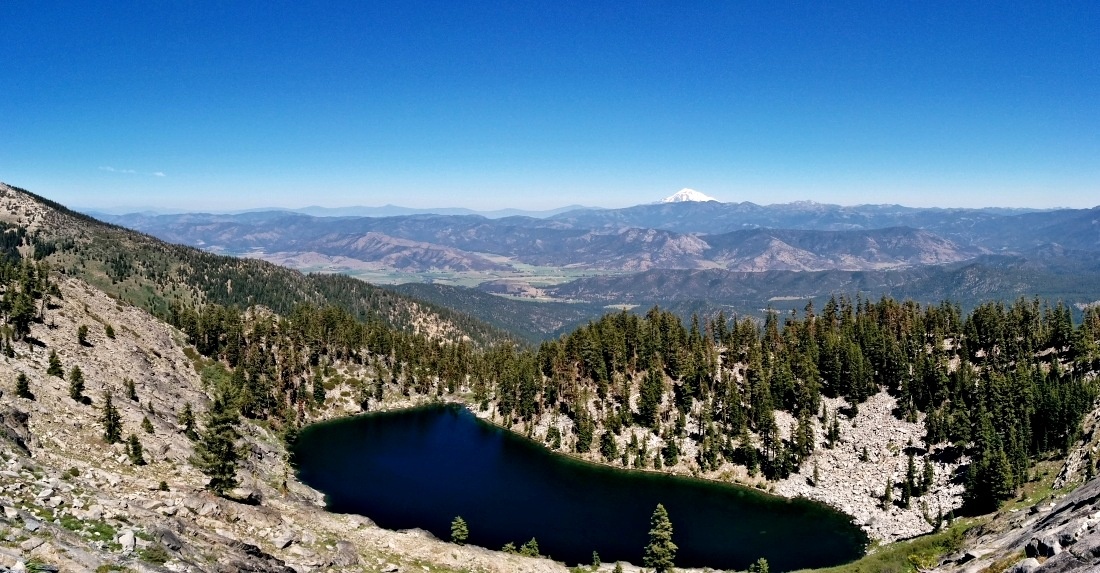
x,y
1051,537
72,503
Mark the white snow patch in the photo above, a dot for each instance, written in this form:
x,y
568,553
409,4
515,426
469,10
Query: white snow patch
x,y
685,195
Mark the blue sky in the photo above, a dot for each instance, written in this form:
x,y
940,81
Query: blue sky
x,y
209,106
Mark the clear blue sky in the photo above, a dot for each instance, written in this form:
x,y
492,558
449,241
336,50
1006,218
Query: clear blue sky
x,y
532,104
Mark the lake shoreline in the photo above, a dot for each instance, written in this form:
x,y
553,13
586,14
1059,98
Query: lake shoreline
x,y
497,472
852,487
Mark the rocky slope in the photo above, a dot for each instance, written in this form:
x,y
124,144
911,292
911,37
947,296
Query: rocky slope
x,y
856,485
73,502
1059,533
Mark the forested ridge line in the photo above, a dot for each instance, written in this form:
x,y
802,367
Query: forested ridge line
x,y
154,275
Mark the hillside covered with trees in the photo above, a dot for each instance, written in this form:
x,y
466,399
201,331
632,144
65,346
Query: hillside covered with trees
x,y
154,275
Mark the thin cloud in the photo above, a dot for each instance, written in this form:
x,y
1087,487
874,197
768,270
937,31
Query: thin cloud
x,y
110,169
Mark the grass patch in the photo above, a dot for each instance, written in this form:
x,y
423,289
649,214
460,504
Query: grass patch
x,y
101,531
1001,565
1041,488
196,359
71,523
43,513
155,554
36,565
918,554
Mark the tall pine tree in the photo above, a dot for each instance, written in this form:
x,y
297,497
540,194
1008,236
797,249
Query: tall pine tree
x,y
460,532
54,368
23,386
661,551
216,452
187,420
76,384
112,421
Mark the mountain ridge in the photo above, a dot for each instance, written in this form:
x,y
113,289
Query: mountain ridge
x,y
544,243
123,262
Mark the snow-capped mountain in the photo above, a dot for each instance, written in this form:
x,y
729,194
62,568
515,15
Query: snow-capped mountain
x,y
685,195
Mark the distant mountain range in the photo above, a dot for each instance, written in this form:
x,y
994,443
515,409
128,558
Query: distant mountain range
x,y
421,243
698,254
1072,278
354,211
679,235
713,217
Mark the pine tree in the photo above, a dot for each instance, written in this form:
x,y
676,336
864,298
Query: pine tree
x,y
187,420
608,448
134,449
76,384
23,312
760,566
55,369
910,482
131,390
618,568
649,402
661,551
999,479
888,495
112,421
530,549
318,389
82,335
584,427
671,451
928,476
23,386
216,452
146,425
459,531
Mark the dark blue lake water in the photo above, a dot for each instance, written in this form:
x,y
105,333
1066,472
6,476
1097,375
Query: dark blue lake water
x,y
422,467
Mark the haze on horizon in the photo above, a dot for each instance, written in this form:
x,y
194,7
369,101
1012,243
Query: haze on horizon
x,y
542,105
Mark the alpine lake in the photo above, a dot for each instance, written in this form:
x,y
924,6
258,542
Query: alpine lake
x,y
420,468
